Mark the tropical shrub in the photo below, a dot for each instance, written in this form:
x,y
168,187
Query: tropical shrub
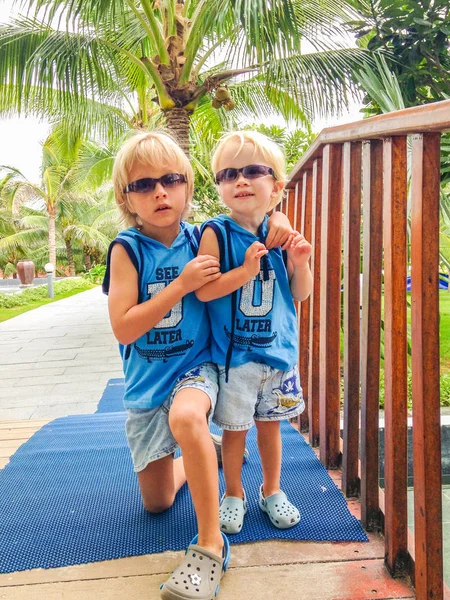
x,y
96,274
30,295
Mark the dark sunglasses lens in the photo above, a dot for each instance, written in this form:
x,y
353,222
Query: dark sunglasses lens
x,y
226,175
254,171
172,179
249,172
142,186
230,174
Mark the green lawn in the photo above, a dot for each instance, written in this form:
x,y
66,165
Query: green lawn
x,y
80,286
444,330
444,327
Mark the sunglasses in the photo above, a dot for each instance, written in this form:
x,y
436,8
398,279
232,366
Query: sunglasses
x,y
249,172
148,184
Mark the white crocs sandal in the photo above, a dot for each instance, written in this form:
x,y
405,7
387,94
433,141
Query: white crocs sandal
x,y
198,576
231,513
281,512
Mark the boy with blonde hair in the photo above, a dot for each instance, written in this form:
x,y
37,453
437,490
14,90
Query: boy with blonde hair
x,y
170,382
254,322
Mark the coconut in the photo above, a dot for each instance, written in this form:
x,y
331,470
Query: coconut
x,y
229,104
222,94
216,103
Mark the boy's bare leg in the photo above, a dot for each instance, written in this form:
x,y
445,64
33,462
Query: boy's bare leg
x,y
233,445
269,444
187,420
160,482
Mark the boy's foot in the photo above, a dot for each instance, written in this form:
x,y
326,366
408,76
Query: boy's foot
x,y
217,441
281,512
231,513
199,574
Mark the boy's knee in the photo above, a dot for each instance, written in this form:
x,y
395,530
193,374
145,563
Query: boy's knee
x,y
186,421
158,505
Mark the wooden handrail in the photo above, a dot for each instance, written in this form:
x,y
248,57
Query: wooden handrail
x,y
418,119
363,165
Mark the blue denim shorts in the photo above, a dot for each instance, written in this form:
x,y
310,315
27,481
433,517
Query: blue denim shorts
x,y
257,392
148,432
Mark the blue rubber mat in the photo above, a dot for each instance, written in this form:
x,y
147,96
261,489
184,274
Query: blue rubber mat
x,y
69,496
112,398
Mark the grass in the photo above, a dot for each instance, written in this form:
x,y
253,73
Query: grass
x,y
444,334
61,291
444,329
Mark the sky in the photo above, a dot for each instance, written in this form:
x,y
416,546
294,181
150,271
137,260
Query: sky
x,y
21,138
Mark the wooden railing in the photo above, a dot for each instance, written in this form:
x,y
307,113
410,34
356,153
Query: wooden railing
x,y
350,191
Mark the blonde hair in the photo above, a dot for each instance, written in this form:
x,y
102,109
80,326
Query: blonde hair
x,y
156,149
268,149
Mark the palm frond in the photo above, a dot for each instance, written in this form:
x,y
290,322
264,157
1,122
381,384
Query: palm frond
x,y
59,74
321,83
381,84
88,236
36,222
256,98
73,12
22,239
107,218
94,165
210,122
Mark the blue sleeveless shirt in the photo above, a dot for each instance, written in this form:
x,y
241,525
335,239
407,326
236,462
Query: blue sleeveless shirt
x,y
258,322
181,340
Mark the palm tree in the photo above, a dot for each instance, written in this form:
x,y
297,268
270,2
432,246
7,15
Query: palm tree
x,y
90,225
82,228
59,154
18,239
18,246
125,62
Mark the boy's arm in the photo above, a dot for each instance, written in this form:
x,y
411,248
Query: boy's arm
x,y
130,320
300,276
234,279
280,231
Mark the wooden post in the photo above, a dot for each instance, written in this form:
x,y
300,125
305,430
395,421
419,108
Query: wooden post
x,y
352,266
314,321
305,229
395,356
330,307
371,323
297,211
425,186
290,194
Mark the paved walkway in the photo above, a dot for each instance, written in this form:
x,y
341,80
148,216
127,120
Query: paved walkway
x,y
57,359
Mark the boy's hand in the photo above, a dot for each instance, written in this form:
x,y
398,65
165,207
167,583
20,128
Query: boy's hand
x,y
280,231
200,271
299,250
253,257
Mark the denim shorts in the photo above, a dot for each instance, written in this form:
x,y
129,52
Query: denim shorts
x,y
148,432
257,392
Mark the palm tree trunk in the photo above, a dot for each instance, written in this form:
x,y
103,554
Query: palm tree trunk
x,y
87,261
177,121
52,235
70,260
